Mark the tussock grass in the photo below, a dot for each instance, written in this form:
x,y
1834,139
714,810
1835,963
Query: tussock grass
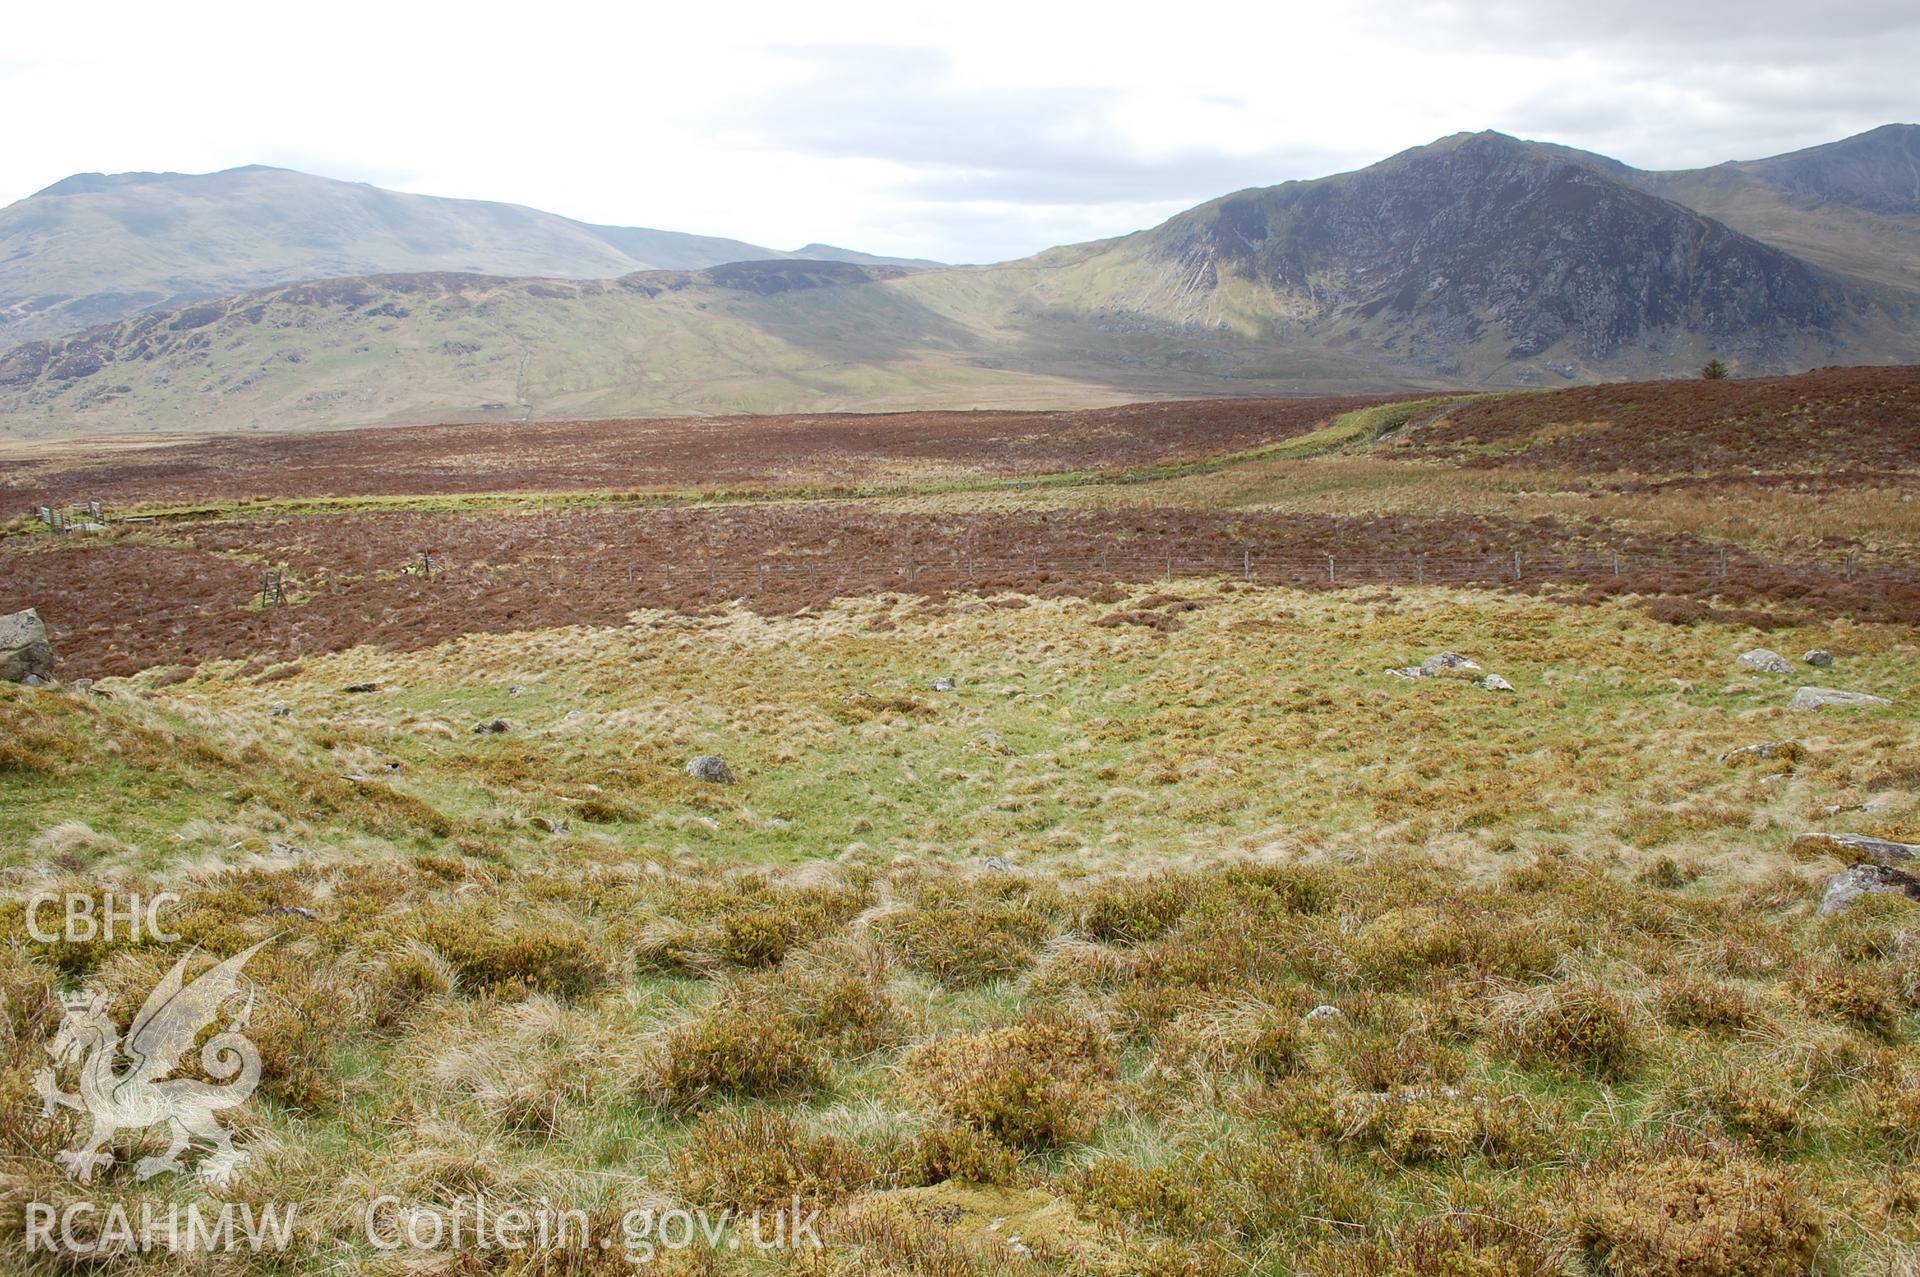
x,y
1548,924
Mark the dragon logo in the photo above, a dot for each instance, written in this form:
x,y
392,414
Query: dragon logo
x,y
136,1096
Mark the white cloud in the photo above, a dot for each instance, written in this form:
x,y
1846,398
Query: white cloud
x,y
962,132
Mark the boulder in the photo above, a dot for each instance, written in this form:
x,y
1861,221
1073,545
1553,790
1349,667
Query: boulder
x,y
361,688
996,865
1765,661
711,768
1494,683
1820,697
490,726
1819,657
942,684
1881,851
1324,1014
25,654
1849,885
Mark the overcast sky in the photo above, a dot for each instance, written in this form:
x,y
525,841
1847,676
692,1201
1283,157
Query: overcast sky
x,y
965,132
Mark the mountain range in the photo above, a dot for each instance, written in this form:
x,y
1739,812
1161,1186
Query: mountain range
x,y
99,247
1478,260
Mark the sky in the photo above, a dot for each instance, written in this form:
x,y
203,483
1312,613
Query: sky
x,y
960,132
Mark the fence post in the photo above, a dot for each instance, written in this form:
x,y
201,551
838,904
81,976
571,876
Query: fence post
x,y
1616,563
1246,565
1723,561
1330,569
1169,568
1516,565
1420,569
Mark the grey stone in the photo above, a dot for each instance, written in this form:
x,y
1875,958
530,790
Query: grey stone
x,y
1849,885
25,652
490,726
1324,1014
1819,697
1494,683
1820,657
280,711
361,687
1882,851
711,768
941,684
1765,661
995,865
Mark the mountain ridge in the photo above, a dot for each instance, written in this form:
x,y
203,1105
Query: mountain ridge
x,y
1477,260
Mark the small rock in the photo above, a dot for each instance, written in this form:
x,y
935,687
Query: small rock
x,y
995,865
1818,697
25,654
490,727
1324,1014
711,768
941,684
280,710
516,690
361,687
1849,885
1857,846
1840,809
1820,657
1765,661
548,824
1494,683
992,743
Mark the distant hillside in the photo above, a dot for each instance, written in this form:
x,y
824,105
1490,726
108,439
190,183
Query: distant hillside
x,y
1852,206
1478,261
96,247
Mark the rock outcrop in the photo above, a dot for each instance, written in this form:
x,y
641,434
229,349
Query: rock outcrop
x,y
26,656
1849,885
1821,697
